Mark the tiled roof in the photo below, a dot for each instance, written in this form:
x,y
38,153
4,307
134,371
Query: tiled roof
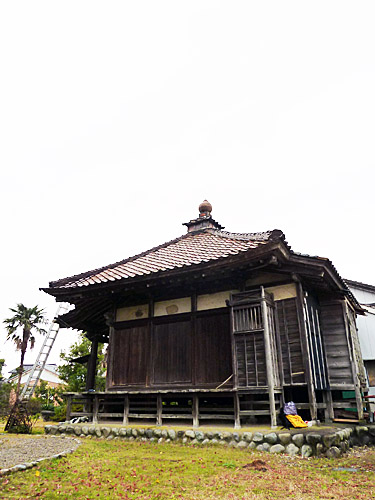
x,y
190,249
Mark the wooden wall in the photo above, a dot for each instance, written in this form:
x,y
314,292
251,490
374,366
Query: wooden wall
x,y
336,344
290,342
185,350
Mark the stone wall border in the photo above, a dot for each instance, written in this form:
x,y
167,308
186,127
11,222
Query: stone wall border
x,y
314,443
34,463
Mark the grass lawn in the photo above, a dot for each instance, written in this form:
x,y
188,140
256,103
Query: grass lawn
x,y
120,469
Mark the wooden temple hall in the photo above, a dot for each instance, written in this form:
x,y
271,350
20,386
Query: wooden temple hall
x,y
217,326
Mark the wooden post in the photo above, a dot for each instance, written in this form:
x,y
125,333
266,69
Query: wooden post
x,y
328,412
236,407
159,410
354,367
306,352
68,407
95,410
125,420
195,410
269,363
91,366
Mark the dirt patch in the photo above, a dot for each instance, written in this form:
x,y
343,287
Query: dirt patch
x,y
16,450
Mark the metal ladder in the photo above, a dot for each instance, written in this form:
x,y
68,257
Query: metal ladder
x,y
41,360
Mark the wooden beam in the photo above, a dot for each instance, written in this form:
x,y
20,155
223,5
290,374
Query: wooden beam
x,y
159,410
328,411
125,420
269,363
95,410
91,365
68,407
195,410
305,351
236,407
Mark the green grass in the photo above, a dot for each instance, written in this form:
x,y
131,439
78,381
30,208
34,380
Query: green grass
x,y
141,470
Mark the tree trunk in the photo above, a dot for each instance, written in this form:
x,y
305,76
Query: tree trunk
x,y
25,339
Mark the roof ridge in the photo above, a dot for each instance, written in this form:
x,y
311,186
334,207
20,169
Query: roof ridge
x,y
272,234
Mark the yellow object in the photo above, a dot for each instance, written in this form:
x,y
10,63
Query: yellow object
x,y
296,420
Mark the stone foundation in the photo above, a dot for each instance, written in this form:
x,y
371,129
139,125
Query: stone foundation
x,y
330,444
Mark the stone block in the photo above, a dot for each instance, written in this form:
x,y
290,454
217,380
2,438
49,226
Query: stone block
x,y
77,430
172,434
134,433
330,440
236,436
319,449
260,447
270,438
149,433
313,439
243,444
257,437
306,451
285,438
199,435
209,435
205,442
85,430
247,436
292,450
266,446
98,432
164,434
227,436
190,434
333,452
157,433
277,448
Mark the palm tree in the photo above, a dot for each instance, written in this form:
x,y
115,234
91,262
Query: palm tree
x,y
20,328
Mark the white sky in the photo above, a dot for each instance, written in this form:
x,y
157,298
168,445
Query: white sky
x,y
118,118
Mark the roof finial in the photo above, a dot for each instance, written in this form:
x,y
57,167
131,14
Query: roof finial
x,y
205,220
205,209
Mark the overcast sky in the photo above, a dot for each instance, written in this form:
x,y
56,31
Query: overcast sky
x,y
118,118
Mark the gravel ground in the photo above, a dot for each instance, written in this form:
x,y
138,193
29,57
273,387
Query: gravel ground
x,y
16,450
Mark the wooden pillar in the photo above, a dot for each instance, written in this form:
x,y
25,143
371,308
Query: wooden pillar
x,y
328,412
306,351
353,362
68,407
91,366
159,410
195,410
236,407
269,362
125,420
95,410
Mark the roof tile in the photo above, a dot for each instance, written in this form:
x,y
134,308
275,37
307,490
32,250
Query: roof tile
x,y
192,248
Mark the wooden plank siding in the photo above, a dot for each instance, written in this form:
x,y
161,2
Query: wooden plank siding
x,y
129,355
336,344
187,350
290,341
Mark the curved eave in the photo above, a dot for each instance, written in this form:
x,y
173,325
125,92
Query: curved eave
x,y
149,279
330,274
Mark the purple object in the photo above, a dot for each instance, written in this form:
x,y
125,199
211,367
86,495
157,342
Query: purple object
x,y
290,408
